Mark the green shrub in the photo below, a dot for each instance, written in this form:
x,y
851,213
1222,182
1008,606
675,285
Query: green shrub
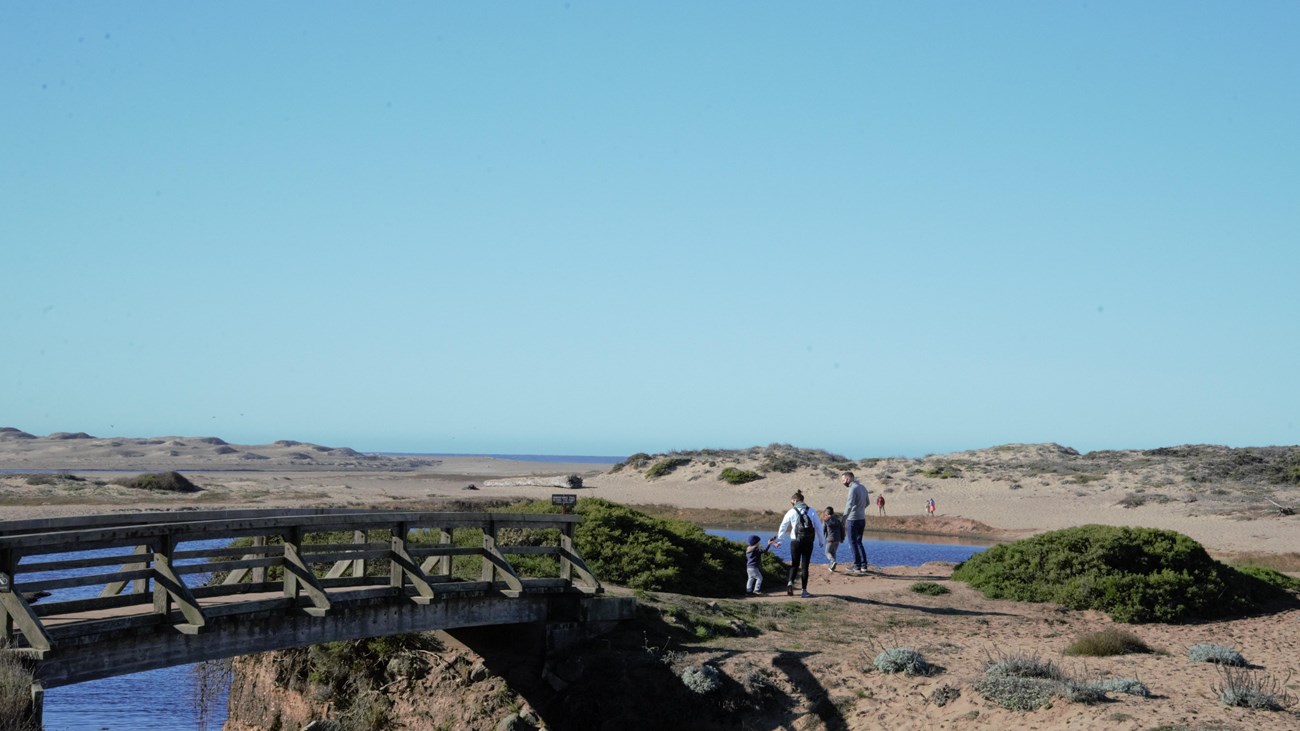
x,y
930,588
666,466
1271,577
1132,574
734,476
1106,643
941,472
784,465
628,547
164,481
637,461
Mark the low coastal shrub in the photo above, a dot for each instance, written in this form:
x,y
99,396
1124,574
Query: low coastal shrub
x,y
628,547
1132,574
1127,686
1251,689
902,660
1026,682
1272,577
735,476
701,679
666,466
163,481
637,461
1017,694
1217,654
941,472
784,465
53,479
1106,643
930,588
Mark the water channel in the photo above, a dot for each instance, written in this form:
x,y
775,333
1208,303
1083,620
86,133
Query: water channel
x,y
167,699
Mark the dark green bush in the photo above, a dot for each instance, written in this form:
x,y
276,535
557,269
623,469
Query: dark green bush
x,y
930,588
1132,574
624,546
165,481
941,472
636,462
666,466
784,465
734,476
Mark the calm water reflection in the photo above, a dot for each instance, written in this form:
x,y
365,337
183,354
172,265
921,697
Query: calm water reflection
x,y
883,549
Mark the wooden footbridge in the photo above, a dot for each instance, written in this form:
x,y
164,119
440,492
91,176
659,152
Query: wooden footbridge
x,y
97,596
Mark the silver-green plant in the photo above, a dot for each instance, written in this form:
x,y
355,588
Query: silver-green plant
x,y
702,679
1128,686
1217,654
902,660
1255,690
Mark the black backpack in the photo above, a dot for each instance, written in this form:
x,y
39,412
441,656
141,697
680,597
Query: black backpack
x,y
803,524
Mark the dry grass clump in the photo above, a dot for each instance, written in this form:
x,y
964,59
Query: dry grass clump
x,y
16,712
1108,642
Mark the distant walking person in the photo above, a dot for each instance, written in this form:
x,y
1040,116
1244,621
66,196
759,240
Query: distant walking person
x,y
800,523
929,506
880,503
833,533
754,564
855,515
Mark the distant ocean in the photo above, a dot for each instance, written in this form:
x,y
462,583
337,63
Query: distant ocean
x,y
571,458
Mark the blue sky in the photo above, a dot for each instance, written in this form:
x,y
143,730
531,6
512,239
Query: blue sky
x,y
598,228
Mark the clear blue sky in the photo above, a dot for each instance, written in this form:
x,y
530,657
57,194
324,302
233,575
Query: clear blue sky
x,y
599,228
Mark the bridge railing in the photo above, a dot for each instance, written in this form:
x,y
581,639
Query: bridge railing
x,y
59,579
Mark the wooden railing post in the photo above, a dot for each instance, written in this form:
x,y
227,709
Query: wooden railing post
x,y
169,588
259,572
138,586
442,563
298,575
8,567
403,567
566,542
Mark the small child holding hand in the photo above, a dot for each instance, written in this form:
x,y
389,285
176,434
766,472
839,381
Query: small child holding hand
x,y
754,565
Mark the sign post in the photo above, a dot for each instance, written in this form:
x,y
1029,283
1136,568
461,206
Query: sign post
x,y
565,501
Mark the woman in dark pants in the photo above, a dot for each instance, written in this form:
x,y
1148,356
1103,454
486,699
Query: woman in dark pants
x,y
803,526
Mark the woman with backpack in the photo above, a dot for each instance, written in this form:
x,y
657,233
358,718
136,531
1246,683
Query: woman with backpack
x,y
803,527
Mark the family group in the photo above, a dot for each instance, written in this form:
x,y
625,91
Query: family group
x,y
804,527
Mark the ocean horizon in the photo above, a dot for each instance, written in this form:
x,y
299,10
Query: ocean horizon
x,y
572,458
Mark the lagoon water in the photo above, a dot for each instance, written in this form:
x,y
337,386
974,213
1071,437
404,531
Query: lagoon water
x,y
165,700
135,702
157,700
883,549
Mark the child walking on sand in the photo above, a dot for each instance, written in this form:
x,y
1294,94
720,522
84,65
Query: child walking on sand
x,y
754,564
833,532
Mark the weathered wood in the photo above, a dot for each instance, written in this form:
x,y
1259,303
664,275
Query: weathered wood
x,y
297,575
495,566
169,581
418,574
20,614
